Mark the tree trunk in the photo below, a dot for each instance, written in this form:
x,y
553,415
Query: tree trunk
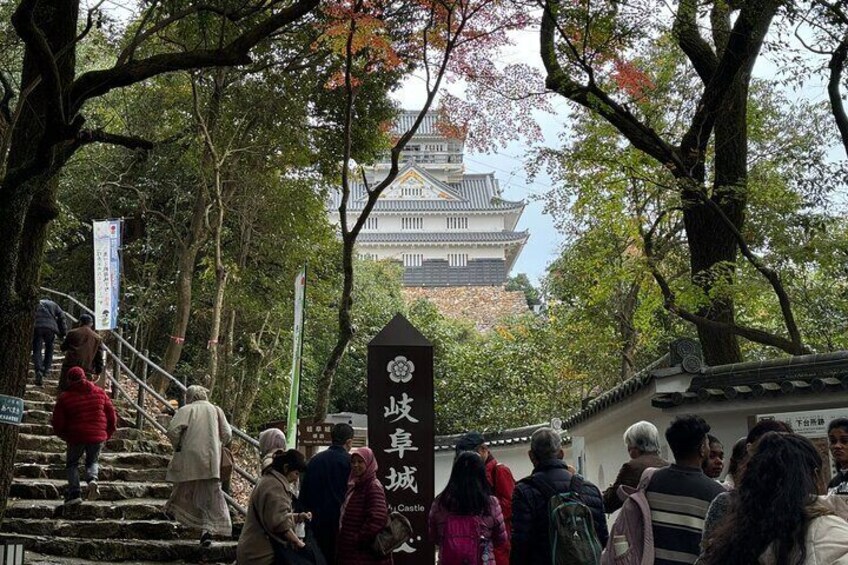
x,y
712,250
627,332
185,277
25,212
325,380
711,242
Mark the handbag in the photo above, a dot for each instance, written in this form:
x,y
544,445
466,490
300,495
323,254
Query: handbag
x,y
227,464
393,535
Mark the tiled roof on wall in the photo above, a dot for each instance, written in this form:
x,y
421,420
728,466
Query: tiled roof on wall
x,y
615,395
495,439
822,372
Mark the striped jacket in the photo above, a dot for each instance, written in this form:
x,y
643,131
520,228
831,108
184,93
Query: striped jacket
x,y
364,516
679,498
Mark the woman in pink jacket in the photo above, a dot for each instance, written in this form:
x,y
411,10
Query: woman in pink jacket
x,y
466,521
364,512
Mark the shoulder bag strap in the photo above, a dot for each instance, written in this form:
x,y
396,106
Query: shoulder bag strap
x,y
268,533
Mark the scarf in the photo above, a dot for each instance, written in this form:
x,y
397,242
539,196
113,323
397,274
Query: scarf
x,y
369,475
271,441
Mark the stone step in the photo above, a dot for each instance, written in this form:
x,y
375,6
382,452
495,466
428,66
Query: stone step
x,y
111,551
41,559
54,489
36,429
36,395
133,509
99,529
37,417
39,406
107,472
117,459
30,442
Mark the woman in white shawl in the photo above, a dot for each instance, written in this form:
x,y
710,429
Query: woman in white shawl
x,y
271,442
197,432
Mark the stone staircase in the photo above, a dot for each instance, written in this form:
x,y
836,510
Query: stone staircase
x,y
126,524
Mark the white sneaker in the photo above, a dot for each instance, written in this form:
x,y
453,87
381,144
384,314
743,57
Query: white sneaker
x,y
93,491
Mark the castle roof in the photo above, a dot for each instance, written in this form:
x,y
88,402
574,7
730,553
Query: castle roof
x,y
476,192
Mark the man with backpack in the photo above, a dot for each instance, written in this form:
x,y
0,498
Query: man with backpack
x,y
501,482
557,516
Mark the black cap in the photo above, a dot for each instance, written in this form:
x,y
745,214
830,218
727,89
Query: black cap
x,y
470,442
86,319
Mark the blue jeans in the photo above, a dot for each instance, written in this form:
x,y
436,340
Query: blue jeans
x,y
42,350
74,454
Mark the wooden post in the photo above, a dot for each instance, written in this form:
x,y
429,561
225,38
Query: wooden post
x,y
139,418
401,429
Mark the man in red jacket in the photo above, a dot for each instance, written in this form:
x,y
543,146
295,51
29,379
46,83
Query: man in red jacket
x,y
85,418
500,479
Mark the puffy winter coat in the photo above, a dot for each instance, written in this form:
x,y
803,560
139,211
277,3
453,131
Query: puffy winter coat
x,y
503,485
826,543
530,543
84,414
366,514
48,315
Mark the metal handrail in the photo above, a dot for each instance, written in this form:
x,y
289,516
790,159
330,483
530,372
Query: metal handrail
x,y
143,385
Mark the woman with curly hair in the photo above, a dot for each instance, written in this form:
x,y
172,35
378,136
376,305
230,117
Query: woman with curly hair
x,y
774,517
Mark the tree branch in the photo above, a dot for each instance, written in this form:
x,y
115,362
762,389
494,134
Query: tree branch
x,y
770,274
752,334
86,137
594,99
837,65
685,30
96,83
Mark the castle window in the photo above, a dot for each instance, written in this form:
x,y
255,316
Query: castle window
x,y
411,192
413,259
457,259
460,223
371,223
368,256
410,224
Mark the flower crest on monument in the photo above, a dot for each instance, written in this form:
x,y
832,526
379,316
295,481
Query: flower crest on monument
x,y
400,369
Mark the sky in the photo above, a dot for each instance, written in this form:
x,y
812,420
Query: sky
x,y
507,163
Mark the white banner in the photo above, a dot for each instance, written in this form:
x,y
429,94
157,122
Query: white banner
x,y
294,393
107,273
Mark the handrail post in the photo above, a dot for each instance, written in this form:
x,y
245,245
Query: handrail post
x,y
116,367
139,419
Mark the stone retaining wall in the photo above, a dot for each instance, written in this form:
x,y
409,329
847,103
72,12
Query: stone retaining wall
x,y
483,305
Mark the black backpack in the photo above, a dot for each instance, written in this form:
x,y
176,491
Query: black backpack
x,y
571,528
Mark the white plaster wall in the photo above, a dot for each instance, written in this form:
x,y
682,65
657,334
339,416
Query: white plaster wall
x,y
604,450
513,456
432,223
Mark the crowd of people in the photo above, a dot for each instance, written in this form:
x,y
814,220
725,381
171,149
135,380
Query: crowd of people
x,y
776,505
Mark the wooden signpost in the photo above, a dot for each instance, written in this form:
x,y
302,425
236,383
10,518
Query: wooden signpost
x,y
401,428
